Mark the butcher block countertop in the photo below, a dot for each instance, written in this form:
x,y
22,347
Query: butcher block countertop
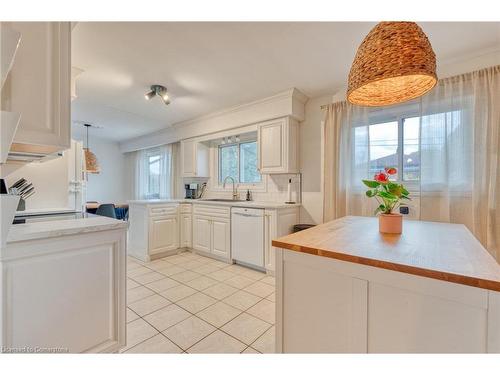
x,y
442,251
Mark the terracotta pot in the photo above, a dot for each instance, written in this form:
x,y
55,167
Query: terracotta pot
x,y
390,223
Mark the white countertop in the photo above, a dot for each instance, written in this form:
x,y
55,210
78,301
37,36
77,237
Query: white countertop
x,y
58,228
255,204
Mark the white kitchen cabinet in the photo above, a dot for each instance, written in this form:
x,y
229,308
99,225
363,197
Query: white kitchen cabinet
x,y
163,234
186,229
212,230
153,230
202,236
278,146
277,222
221,237
38,87
194,159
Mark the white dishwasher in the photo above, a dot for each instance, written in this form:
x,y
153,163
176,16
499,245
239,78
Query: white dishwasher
x,y
247,236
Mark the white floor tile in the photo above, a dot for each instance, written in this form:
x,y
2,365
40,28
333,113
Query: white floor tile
x,y
196,302
131,284
220,291
138,271
149,304
218,342
171,270
241,300
266,342
260,289
156,344
166,317
178,292
201,283
264,310
138,293
131,316
189,332
239,281
246,328
148,277
221,275
138,331
161,285
269,280
185,276
219,314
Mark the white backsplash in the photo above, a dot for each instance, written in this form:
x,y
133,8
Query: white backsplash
x,y
275,191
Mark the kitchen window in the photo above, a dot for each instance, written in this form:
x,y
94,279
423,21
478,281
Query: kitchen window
x,y
153,175
239,160
398,143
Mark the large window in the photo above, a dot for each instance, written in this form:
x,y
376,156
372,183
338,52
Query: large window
x,y
239,160
398,143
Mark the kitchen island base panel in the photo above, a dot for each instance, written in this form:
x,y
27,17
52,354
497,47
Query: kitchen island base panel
x,y
327,305
66,292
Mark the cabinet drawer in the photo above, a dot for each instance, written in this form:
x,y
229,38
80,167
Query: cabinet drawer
x,y
162,210
185,208
212,211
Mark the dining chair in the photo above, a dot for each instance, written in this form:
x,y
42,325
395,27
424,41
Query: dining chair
x,y
107,209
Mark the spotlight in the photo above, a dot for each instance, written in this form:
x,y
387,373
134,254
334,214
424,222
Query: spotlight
x,y
158,90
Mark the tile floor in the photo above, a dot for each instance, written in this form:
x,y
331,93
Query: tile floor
x,y
188,303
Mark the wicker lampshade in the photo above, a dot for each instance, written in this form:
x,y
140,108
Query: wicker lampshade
x,y
394,63
91,164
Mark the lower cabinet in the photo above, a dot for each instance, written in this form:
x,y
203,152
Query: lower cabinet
x,y
212,230
163,234
186,230
202,237
221,238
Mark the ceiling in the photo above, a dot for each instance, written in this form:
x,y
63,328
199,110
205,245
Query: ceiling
x,y
211,66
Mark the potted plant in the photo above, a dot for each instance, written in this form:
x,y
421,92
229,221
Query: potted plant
x,y
389,195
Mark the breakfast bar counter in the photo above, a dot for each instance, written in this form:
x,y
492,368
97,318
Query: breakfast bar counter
x,y
433,288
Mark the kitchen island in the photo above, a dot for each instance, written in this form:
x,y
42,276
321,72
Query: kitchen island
x,y
62,286
344,287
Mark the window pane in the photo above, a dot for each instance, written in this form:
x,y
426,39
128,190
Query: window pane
x,y
154,177
228,162
248,163
411,152
383,150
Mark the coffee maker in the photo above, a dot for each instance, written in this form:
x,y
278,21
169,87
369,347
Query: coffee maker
x,y
191,191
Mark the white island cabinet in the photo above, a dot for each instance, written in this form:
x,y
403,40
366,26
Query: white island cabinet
x,y
344,287
63,287
154,229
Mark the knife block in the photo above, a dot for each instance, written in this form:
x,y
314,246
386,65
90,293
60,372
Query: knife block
x,y
21,206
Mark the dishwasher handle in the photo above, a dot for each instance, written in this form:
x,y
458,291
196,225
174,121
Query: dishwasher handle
x,y
246,215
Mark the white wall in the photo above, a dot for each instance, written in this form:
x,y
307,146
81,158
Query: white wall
x,y
109,186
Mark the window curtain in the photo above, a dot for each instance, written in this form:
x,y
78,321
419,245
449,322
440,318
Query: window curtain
x,y
459,144
166,171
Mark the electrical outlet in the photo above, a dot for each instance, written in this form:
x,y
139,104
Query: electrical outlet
x,y
404,210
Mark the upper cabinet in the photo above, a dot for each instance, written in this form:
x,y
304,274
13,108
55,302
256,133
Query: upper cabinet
x,y
38,87
194,159
278,142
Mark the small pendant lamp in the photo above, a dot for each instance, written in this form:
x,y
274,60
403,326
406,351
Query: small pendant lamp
x,y
394,63
91,164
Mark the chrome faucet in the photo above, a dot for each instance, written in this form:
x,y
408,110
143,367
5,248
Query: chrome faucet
x,y
235,191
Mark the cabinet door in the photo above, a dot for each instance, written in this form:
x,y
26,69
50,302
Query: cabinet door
x,y
221,238
38,86
163,234
201,234
272,148
188,152
186,230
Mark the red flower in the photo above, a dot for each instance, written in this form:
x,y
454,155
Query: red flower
x,y
391,170
381,177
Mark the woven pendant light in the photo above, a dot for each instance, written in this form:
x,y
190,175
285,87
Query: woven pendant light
x,y
394,63
91,164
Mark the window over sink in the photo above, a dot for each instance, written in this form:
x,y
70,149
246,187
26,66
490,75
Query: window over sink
x,y
239,161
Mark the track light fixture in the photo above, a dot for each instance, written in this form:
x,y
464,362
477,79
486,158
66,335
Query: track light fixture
x,y
158,90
